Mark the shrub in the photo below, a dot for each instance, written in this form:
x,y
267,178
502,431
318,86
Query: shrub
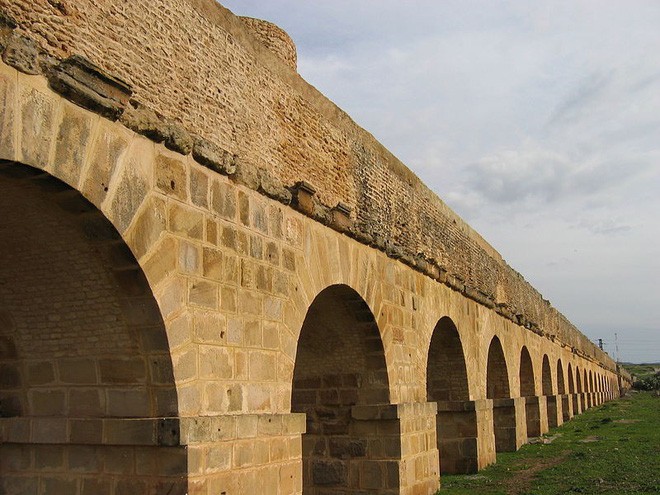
x,y
651,382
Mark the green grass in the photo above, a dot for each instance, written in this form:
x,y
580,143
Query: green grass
x,y
612,449
641,370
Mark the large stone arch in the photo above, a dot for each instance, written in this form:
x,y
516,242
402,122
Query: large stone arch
x,y
84,346
546,376
528,391
498,389
579,386
340,363
446,376
585,383
561,384
497,374
527,382
578,380
548,389
572,390
566,405
571,379
447,385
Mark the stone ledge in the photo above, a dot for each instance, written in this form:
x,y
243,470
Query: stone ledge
x,y
508,402
148,431
467,405
392,411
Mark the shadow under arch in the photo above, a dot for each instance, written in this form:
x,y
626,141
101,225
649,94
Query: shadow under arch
x,y
572,392
548,391
528,391
585,385
498,389
447,385
340,364
82,340
579,387
561,391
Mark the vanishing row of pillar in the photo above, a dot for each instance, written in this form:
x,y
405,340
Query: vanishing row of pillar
x,y
339,375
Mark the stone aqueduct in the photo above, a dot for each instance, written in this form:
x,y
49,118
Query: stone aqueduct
x,y
214,282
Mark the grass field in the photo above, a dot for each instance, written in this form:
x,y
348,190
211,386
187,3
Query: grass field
x,y
612,449
642,370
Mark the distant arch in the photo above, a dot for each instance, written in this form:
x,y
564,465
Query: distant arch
x,y
561,392
548,391
498,389
340,363
527,383
585,376
497,375
447,385
571,381
561,387
578,380
546,376
528,390
446,371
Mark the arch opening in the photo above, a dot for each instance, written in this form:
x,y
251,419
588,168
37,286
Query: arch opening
x,y
527,387
447,384
340,363
446,371
561,391
498,389
573,391
561,387
552,406
528,391
497,375
82,338
546,376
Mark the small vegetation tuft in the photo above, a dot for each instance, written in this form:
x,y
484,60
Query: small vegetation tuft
x,y
612,449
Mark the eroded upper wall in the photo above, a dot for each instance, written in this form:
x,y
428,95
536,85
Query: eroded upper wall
x,y
196,64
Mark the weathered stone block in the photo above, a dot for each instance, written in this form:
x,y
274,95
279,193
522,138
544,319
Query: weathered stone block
x,y
203,293
86,403
72,141
86,431
224,199
37,123
128,403
8,117
125,371
22,53
329,473
80,81
171,176
186,221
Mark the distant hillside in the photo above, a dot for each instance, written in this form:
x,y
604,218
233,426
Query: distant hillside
x,y
641,370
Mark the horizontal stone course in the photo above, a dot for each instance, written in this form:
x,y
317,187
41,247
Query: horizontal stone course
x,y
148,431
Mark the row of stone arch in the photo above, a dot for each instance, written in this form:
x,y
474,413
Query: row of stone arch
x,y
82,338
340,365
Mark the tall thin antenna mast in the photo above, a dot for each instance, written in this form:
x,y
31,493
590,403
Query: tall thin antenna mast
x,y
616,346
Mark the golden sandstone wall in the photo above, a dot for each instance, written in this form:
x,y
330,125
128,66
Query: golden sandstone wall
x,y
195,64
232,182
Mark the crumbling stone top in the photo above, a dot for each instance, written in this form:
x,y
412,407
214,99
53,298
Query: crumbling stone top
x,y
274,38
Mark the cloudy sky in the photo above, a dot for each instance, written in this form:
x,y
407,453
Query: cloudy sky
x,y
537,122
